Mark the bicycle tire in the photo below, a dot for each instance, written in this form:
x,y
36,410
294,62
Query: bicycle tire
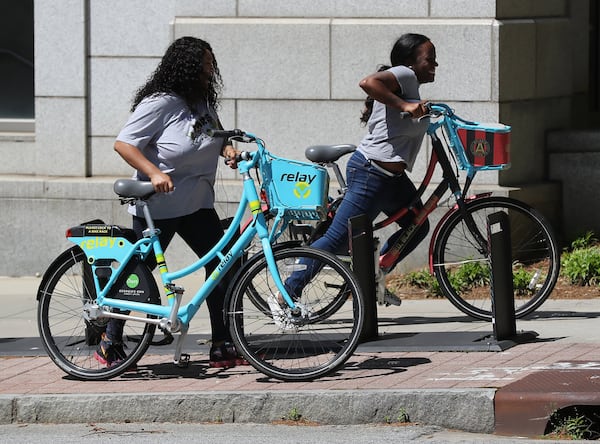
x,y
534,248
259,302
254,294
287,239
297,348
67,336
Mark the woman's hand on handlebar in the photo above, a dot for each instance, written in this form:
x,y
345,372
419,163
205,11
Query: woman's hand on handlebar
x,y
231,156
416,110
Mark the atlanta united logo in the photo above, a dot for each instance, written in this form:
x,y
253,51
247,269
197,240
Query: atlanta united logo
x,y
480,147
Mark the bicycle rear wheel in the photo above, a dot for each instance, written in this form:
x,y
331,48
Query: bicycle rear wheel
x,y
462,263
68,337
296,347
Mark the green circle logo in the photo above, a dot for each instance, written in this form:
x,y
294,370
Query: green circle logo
x,y
133,281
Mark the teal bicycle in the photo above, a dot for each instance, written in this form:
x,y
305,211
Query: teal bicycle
x,y
104,275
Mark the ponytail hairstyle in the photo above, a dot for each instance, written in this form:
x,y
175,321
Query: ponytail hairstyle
x,y
403,53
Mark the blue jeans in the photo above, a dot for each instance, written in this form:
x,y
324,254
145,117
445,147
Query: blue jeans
x,y
369,192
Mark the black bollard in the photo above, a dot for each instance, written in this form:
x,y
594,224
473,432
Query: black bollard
x,y
361,248
501,288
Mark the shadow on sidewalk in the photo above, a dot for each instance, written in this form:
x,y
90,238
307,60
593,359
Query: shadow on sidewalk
x,y
562,315
354,369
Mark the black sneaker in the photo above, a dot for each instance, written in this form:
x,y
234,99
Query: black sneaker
x,y
232,351
111,353
225,356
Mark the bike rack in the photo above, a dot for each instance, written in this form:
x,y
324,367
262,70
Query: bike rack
x,y
360,233
501,288
504,333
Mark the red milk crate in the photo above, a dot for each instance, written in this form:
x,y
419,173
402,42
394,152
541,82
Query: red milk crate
x,y
486,145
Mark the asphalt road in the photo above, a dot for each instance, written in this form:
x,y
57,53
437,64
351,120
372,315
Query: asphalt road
x,y
243,433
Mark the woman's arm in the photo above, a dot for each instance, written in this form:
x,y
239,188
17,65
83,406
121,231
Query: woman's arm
x,y
133,156
382,86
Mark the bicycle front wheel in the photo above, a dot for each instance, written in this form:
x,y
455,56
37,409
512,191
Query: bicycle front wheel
x,y
461,259
68,337
296,346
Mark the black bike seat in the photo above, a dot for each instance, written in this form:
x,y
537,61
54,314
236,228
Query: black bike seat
x,y
133,188
327,153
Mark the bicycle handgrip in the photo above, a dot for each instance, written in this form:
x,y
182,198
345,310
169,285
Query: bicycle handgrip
x,y
225,133
405,115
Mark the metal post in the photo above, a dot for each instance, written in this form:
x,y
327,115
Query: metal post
x,y
502,292
361,248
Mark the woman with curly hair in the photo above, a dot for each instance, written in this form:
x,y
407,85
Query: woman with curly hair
x,y
166,141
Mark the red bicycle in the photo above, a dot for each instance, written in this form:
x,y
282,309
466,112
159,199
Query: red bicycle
x,y
459,255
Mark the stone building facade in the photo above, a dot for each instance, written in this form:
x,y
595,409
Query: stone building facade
x,y
291,72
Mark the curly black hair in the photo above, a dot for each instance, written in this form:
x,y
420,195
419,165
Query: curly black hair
x,y
181,72
403,53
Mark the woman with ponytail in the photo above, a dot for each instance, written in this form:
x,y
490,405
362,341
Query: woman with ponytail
x,y
376,172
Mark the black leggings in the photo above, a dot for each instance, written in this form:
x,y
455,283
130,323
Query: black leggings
x,y
200,231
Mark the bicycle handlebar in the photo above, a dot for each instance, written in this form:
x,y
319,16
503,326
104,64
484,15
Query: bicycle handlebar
x,y
441,109
234,134
225,133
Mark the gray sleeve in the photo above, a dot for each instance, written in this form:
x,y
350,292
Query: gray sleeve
x,y
408,82
144,124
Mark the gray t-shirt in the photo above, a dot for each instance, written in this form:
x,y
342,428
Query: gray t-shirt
x,y
174,139
391,138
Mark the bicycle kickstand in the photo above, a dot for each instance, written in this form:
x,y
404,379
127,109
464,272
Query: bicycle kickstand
x,y
181,360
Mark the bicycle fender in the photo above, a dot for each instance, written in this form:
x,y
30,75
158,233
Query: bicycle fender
x,y
102,239
440,224
59,259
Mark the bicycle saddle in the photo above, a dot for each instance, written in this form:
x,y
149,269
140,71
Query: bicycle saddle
x,y
327,153
133,188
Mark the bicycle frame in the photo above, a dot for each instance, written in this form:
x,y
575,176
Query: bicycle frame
x,y
449,182
175,317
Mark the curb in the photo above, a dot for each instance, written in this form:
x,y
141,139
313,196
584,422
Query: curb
x,y
470,410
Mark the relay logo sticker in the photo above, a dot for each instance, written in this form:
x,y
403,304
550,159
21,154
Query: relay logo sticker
x,y
298,177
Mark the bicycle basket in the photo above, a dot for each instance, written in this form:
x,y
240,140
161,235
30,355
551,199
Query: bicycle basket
x,y
296,189
485,146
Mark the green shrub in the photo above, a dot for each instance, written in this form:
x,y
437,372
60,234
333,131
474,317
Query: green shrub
x,y
521,280
423,279
468,275
585,241
578,422
582,266
471,274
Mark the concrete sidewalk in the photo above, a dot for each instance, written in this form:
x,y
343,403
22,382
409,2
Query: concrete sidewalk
x,y
429,361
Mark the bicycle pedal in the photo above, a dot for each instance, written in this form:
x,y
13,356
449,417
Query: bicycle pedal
x,y
184,361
